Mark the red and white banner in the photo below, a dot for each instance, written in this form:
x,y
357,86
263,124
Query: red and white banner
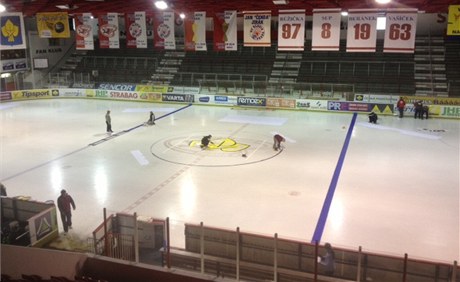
x,y
109,33
400,31
195,32
84,31
136,30
225,31
163,26
362,30
291,30
326,30
257,28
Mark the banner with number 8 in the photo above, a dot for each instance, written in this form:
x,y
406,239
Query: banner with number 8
x,y
326,30
400,30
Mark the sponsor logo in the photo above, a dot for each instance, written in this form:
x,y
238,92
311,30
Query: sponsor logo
x,y
251,101
220,98
163,31
135,30
126,95
83,30
55,92
334,106
204,99
119,87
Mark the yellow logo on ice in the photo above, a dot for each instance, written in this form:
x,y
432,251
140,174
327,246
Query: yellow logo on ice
x,y
225,145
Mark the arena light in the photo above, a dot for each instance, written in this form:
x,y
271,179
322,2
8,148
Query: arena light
x,y
280,2
162,5
182,15
382,1
2,8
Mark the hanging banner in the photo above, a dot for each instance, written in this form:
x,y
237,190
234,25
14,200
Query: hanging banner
x,y
225,38
136,30
84,32
291,30
453,22
12,35
257,29
326,30
163,26
362,30
400,31
195,32
109,34
53,25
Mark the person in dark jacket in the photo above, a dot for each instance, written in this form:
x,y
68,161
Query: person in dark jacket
x,y
373,118
205,141
65,204
277,139
151,120
108,122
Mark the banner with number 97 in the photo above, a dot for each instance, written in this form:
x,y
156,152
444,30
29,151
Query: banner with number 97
x,y
400,30
291,30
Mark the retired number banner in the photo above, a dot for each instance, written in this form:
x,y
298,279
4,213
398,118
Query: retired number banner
x,y
195,32
225,31
12,35
326,30
109,34
400,31
136,30
362,30
257,29
84,32
291,30
163,26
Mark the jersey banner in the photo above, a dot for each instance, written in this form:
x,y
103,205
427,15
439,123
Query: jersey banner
x,y
136,30
326,30
257,29
225,31
84,32
195,32
362,30
12,35
53,25
163,27
400,31
453,22
109,34
291,30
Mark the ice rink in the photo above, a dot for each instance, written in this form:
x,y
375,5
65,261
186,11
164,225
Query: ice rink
x,y
391,188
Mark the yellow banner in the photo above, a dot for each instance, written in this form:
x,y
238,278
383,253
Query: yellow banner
x,y
151,88
31,94
453,20
53,25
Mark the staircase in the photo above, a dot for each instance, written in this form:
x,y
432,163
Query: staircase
x,y
430,69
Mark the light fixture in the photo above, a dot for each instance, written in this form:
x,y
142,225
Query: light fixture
x,y
382,1
344,13
5,75
2,8
161,5
67,7
280,2
182,15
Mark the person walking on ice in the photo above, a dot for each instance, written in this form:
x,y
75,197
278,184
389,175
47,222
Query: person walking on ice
x,y
277,139
108,122
65,204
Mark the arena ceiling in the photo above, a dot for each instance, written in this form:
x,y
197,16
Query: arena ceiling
x,y
31,7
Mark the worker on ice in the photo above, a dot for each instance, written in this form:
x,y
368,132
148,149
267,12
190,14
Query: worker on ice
x,y
205,141
277,139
